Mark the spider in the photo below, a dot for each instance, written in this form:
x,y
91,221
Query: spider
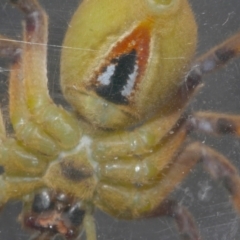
x,y
127,72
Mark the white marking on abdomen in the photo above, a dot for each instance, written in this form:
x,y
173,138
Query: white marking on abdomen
x,y
127,89
105,77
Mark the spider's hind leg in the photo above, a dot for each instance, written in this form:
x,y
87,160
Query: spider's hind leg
x,y
218,166
183,219
15,188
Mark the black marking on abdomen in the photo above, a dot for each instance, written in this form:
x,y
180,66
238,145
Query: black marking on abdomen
x,y
124,66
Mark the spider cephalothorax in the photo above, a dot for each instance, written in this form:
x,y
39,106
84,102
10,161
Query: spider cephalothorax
x,y
128,77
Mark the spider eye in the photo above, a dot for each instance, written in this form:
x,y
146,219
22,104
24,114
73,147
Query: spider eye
x,y
76,214
41,202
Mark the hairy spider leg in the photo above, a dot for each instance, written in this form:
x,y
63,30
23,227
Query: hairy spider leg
x,y
28,91
218,56
2,128
140,140
140,200
9,48
21,166
16,159
184,220
27,131
55,121
89,226
141,171
209,62
21,163
15,188
219,168
214,123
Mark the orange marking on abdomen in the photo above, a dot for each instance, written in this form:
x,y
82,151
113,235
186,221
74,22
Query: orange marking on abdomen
x,y
118,76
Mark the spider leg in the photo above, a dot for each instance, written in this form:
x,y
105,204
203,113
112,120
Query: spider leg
x,y
55,121
89,227
22,166
137,202
2,128
141,140
15,188
9,48
214,123
26,130
184,220
219,55
142,170
19,161
218,166
220,169
209,62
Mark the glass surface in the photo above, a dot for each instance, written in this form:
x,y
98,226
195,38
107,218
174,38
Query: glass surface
x,y
207,201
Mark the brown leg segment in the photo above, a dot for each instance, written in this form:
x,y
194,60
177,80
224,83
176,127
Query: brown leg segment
x,y
217,166
214,123
184,220
9,48
219,56
207,63
134,203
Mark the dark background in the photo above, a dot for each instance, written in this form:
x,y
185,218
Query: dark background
x,y
209,202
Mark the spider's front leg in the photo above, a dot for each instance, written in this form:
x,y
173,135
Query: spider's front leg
x,y
22,167
53,120
42,129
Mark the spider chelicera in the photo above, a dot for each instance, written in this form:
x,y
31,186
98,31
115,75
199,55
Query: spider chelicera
x,y
123,148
